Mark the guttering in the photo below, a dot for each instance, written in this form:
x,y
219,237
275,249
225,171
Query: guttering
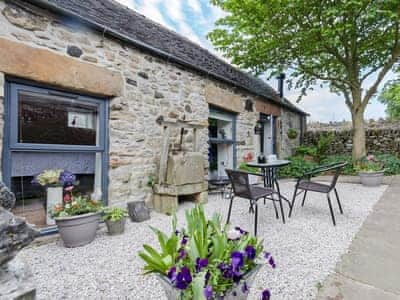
x,y
160,53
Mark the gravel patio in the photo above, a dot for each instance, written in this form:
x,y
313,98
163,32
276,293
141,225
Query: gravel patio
x,y
305,249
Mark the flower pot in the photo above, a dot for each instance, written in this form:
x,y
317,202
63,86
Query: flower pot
x,y
235,293
371,178
116,227
54,196
76,231
138,211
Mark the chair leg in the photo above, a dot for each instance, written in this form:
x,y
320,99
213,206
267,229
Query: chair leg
x,y
255,219
276,210
282,212
304,198
338,201
330,208
294,198
230,209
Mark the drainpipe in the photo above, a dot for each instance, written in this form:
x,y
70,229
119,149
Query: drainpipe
x,y
281,79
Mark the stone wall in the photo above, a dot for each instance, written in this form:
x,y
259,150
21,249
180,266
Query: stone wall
x,y
289,120
378,140
150,88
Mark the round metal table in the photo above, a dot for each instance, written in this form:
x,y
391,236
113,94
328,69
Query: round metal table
x,y
269,172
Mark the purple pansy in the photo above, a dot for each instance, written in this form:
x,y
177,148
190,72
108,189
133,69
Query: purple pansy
x,y
266,255
266,295
272,262
184,240
242,231
182,254
245,288
172,274
250,252
183,279
237,260
201,263
208,292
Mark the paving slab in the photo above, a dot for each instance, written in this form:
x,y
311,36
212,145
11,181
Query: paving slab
x,y
372,263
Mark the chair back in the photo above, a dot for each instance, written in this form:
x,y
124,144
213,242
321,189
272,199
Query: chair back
x,y
337,170
240,183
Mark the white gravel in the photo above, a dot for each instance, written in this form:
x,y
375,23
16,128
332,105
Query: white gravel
x,y
305,249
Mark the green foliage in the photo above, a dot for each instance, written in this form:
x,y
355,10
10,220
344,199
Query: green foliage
x,y
348,169
306,150
201,239
114,214
323,145
78,205
244,167
391,97
391,163
348,45
297,167
292,133
151,181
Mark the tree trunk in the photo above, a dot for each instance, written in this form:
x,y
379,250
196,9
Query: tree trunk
x,y
359,140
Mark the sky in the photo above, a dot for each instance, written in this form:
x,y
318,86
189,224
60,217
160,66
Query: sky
x,y
195,18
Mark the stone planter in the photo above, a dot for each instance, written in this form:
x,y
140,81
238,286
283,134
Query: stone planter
x,y
76,231
235,293
371,178
116,227
54,196
138,211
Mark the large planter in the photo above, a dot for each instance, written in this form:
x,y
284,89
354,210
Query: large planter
x,y
371,178
235,293
54,196
76,231
116,227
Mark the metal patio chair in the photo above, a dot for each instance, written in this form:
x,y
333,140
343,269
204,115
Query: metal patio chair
x,y
304,184
241,188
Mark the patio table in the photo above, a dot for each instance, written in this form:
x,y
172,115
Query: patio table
x,y
269,173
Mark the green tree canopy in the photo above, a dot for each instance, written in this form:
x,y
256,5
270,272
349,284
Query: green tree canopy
x,y
391,97
341,43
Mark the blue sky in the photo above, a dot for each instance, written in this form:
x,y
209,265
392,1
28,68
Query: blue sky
x,y
195,18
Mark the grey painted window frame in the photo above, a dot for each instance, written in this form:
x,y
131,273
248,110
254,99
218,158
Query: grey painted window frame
x,y
10,134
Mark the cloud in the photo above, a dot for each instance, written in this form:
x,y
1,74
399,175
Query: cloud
x,y
195,6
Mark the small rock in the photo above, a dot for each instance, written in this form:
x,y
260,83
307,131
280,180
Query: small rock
x,y
74,51
131,82
143,75
90,59
158,95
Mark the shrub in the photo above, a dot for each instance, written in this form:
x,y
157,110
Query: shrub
x,y
323,145
292,133
244,167
391,163
306,150
297,167
348,169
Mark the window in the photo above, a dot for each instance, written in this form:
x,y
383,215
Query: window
x,y
49,129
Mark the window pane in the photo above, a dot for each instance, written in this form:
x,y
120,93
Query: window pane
x,y
31,198
48,119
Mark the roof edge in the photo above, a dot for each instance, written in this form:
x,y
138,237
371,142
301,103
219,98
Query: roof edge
x,y
170,58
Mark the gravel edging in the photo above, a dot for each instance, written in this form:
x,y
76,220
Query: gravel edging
x,y
305,249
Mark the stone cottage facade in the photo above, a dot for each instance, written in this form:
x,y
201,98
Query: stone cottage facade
x,y
141,71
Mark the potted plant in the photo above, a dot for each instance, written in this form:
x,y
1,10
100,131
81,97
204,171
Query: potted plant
x,y
371,171
55,181
115,218
77,219
206,260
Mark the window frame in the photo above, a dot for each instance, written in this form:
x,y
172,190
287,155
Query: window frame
x,y
10,129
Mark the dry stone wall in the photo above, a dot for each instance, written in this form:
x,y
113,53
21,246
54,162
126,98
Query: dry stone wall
x,y
151,88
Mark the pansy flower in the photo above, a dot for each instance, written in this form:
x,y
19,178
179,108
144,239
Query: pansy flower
x,y
266,295
201,263
208,292
250,252
183,279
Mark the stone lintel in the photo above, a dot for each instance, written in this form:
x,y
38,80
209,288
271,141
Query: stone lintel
x,y
45,66
223,98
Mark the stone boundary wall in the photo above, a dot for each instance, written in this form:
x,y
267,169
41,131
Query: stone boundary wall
x,y
378,140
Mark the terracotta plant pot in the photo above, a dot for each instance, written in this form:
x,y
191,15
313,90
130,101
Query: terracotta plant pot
x,y
116,227
235,293
371,178
76,231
